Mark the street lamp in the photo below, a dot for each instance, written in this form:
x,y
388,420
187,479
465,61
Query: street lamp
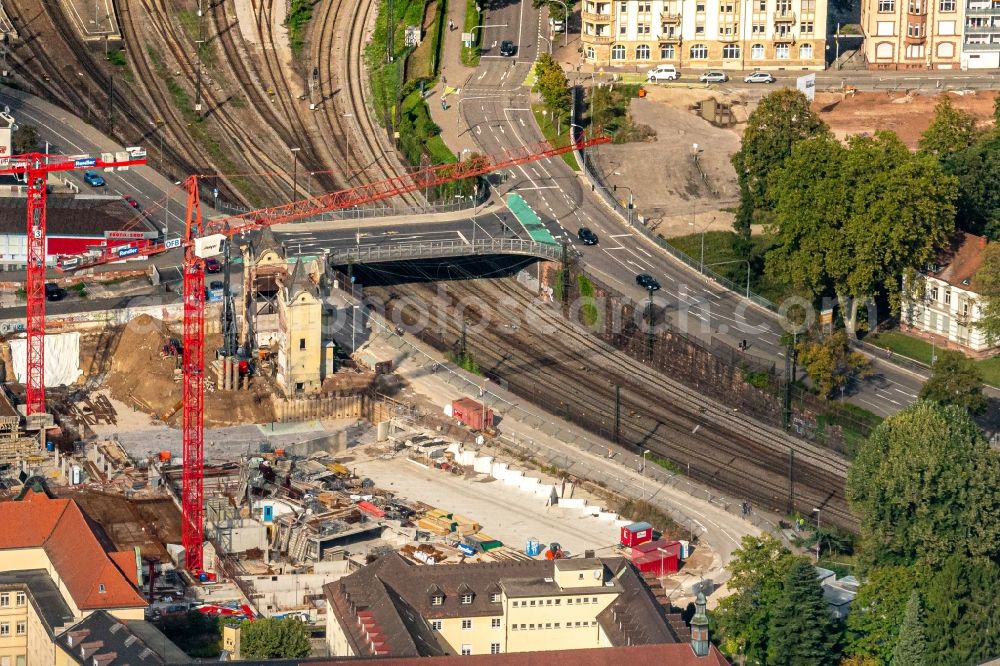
x,y
295,171
735,261
547,41
583,151
694,218
630,198
817,512
645,452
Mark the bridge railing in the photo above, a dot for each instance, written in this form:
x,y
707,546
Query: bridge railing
x,y
444,248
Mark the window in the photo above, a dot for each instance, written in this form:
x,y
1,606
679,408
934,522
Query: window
x,y
558,601
436,625
726,8
531,627
645,7
4,628
618,52
700,7
4,600
495,623
22,627
699,30
934,293
466,624
622,29
731,51
513,627
782,30
947,297
781,51
465,599
548,602
762,6
887,5
532,602
965,309
947,5
915,7
466,649
623,7
557,625
437,600
808,6
757,52
806,52
548,625
914,29
594,600
494,597
516,603
807,27
946,28
494,648
522,627
946,50
579,576
883,50
569,601
667,52
578,624
302,343
590,53
758,28
642,52
21,599
699,52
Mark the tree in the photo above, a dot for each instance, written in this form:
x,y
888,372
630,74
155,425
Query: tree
x,y
779,121
978,171
274,639
556,10
877,611
758,567
986,283
850,221
955,380
25,140
831,364
911,649
924,484
962,619
951,131
552,84
802,632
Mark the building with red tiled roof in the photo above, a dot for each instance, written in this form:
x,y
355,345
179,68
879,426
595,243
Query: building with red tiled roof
x,y
942,304
55,571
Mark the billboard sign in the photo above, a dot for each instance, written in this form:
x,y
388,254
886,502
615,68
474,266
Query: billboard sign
x,y
209,246
84,162
172,243
129,235
5,146
807,86
126,251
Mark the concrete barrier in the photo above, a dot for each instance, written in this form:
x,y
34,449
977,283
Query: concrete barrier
x,y
499,471
590,510
483,464
514,477
607,515
528,484
572,503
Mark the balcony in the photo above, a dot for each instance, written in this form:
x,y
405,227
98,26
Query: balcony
x,y
784,16
674,38
983,10
596,40
667,17
596,18
981,29
995,46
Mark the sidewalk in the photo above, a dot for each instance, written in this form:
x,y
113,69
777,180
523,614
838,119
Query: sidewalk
x,y
454,74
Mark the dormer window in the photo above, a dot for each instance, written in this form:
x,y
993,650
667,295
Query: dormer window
x,y
495,598
100,588
466,598
437,600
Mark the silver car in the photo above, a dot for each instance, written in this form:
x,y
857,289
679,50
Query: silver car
x,y
713,77
760,77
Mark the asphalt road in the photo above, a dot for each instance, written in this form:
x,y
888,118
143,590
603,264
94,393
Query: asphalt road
x,y
498,113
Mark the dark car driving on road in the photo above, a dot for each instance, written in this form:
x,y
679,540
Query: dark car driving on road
x,y
507,48
647,281
586,236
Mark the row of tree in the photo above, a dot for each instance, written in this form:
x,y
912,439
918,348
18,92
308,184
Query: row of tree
x,y
926,488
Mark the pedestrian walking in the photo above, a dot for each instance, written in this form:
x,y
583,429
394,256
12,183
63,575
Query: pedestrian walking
x,y
451,25
444,81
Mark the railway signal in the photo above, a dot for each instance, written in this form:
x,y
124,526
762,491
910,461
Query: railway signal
x,y
207,238
35,168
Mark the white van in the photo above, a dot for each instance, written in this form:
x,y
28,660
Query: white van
x,y
663,73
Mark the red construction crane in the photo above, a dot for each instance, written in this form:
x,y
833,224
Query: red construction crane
x,y
36,168
203,239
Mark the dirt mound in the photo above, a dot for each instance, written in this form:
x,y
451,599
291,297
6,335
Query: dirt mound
x,y
141,376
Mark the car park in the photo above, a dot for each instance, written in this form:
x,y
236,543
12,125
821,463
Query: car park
x,y
647,282
714,76
662,73
93,179
586,236
507,48
759,77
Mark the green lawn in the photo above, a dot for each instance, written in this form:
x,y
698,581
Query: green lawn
x,y
549,132
920,350
719,249
470,54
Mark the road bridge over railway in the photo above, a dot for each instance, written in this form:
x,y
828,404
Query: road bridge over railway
x,y
443,249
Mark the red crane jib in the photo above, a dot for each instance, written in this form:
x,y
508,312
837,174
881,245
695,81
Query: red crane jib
x,y
192,495
35,167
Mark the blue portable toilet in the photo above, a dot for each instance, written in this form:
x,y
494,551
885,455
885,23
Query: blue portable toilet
x,y
268,513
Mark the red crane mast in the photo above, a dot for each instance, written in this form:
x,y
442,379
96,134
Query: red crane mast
x,y
36,167
193,428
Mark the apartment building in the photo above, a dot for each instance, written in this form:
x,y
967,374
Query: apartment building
x,y
64,597
395,608
931,34
701,34
942,305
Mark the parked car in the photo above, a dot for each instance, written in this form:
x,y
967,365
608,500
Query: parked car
x,y
215,285
663,73
647,282
586,236
93,179
213,265
714,77
508,48
760,77
131,201
558,25
54,292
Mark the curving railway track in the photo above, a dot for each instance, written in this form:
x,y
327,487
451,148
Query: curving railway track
x,y
572,374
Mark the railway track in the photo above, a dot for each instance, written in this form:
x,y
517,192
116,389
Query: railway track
x,y
338,56
721,449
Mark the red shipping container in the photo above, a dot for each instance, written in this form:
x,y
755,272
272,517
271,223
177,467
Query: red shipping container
x,y
659,562
371,509
470,412
636,533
